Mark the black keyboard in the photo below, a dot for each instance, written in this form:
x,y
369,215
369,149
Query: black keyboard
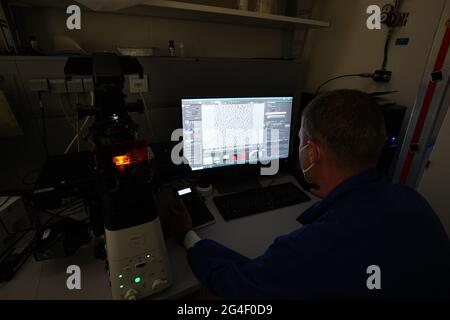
x,y
242,204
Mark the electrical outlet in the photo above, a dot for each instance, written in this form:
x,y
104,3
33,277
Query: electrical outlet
x,y
39,85
58,85
138,85
75,86
88,85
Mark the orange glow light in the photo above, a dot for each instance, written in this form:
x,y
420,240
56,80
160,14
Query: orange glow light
x,y
122,160
131,157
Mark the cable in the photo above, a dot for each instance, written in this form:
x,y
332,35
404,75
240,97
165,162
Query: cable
x,y
386,49
362,75
23,230
75,127
5,201
44,123
24,178
4,227
65,114
76,205
78,130
147,118
73,206
1,221
76,136
395,8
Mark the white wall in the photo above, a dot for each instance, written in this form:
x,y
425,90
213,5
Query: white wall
x,y
105,31
349,47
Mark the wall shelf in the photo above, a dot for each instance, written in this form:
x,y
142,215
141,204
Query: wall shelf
x,y
183,10
198,12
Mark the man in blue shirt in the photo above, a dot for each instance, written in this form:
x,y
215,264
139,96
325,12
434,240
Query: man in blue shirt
x,y
365,239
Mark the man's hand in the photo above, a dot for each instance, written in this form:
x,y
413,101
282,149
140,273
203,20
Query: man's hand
x,y
180,221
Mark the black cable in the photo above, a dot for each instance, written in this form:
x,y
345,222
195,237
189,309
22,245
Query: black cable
x,y
76,205
18,231
25,180
1,221
396,9
386,49
363,75
14,192
44,124
55,215
4,227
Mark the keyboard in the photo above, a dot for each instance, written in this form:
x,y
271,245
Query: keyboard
x,y
253,201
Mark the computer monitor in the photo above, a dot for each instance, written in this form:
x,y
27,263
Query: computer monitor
x,y
235,131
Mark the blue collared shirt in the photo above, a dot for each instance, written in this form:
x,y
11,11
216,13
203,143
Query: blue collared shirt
x,y
363,222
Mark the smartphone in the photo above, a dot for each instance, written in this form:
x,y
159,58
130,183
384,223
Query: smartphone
x,y
200,214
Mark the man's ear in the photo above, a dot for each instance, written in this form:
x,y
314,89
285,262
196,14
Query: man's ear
x,y
314,151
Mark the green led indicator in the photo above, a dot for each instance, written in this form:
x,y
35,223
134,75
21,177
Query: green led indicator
x,y
120,276
137,279
148,256
121,286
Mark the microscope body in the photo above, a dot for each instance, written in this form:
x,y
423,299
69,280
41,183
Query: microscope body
x,y
138,262
136,252
137,258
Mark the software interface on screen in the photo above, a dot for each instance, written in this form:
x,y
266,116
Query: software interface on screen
x,y
219,132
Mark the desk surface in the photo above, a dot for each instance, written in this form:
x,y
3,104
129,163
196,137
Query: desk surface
x,y
47,279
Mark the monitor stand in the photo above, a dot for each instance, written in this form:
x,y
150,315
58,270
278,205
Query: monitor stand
x,y
237,180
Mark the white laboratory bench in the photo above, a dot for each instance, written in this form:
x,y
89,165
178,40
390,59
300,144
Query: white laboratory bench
x,y
249,236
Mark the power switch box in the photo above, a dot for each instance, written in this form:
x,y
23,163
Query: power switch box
x,y
75,85
138,85
382,76
88,84
58,85
39,85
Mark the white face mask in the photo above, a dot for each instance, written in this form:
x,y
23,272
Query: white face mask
x,y
307,169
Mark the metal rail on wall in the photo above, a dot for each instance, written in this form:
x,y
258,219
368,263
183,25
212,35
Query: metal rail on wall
x,y
428,108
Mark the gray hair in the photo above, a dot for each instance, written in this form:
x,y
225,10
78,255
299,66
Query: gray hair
x,y
350,124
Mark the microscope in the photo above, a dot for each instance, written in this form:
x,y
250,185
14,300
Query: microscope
x,y
125,207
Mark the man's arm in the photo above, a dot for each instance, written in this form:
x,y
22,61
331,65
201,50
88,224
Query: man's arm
x,y
230,275
233,276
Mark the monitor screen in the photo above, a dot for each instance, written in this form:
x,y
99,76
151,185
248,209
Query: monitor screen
x,y
234,131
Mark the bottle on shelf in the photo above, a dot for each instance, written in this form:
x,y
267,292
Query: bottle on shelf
x,y
172,48
181,52
33,48
242,5
266,6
